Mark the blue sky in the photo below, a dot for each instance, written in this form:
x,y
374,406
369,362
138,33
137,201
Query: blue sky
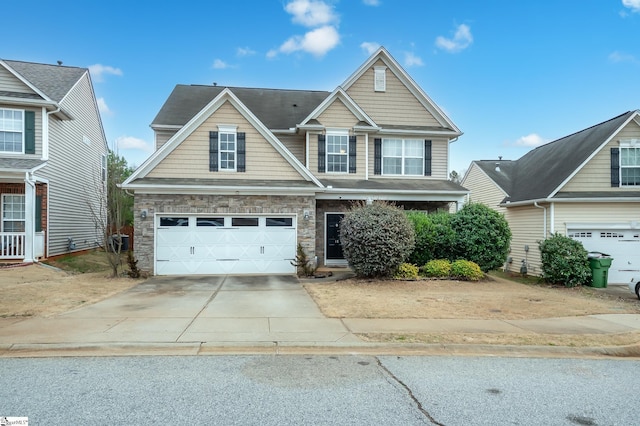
x,y
510,74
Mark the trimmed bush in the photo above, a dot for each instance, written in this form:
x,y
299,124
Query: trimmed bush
x,y
434,237
439,268
564,261
376,239
406,271
466,270
482,236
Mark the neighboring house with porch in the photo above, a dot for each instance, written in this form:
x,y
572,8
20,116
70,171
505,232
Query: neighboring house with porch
x,y
585,185
240,176
52,161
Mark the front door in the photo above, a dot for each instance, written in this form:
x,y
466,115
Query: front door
x,y
333,251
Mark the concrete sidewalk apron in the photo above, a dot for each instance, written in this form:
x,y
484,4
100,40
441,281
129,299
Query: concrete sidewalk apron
x,y
213,309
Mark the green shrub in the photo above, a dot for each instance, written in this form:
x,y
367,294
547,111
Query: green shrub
x,y
482,236
564,261
376,239
439,268
466,270
434,237
406,271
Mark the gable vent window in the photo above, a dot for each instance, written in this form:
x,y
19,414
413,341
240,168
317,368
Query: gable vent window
x,y
380,79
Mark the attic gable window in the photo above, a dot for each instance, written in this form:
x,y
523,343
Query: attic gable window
x,y
227,150
630,164
380,79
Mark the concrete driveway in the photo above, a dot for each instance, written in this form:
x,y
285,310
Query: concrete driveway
x,y
222,310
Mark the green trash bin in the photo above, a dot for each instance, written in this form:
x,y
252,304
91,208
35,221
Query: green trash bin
x,y
600,264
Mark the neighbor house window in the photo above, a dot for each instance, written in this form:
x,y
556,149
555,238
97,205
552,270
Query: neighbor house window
x,y
228,146
337,152
13,213
11,130
630,166
403,157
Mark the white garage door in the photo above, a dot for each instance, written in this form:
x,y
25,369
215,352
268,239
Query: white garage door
x,y
623,245
224,244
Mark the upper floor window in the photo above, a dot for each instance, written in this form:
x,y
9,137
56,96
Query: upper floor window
x,y
379,79
337,152
403,157
630,166
11,130
227,150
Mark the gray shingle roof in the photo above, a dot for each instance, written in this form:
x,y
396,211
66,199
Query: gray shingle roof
x,y
539,172
275,108
55,81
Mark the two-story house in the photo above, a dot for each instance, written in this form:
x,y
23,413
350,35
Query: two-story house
x,y
52,161
240,176
585,186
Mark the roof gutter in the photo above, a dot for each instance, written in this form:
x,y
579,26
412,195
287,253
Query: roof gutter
x,y
544,226
571,200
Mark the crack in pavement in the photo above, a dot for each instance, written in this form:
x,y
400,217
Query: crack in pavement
x,y
213,296
410,392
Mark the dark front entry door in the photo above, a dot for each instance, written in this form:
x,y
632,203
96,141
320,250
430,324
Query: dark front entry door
x,y
334,248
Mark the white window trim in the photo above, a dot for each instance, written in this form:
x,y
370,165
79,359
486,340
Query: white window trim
x,y
103,168
380,79
403,157
3,219
21,131
228,129
340,133
627,144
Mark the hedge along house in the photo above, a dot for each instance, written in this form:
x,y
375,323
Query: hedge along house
x,y
585,186
52,161
240,176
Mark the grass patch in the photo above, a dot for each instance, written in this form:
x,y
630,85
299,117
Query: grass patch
x,y
88,262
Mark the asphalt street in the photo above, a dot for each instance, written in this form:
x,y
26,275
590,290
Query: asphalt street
x,y
319,390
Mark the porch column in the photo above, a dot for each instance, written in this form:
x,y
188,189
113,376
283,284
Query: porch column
x,y
29,218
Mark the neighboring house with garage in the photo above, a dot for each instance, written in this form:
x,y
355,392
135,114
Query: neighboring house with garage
x,y
240,176
52,161
585,185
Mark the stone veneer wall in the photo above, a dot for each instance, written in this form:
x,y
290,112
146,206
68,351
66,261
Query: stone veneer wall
x,y
219,204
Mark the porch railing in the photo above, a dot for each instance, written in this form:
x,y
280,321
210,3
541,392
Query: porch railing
x,y
12,245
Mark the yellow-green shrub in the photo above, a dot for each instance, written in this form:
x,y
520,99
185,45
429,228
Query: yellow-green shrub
x,y
466,270
439,268
406,271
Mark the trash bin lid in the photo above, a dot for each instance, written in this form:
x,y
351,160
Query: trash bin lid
x,y
596,254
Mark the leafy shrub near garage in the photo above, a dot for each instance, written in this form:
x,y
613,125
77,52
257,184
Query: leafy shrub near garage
x,y
434,237
406,271
482,235
438,268
376,239
466,270
564,261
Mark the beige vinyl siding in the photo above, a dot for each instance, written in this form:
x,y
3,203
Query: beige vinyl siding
x,y
396,105
337,115
594,213
162,136
73,172
295,143
439,151
596,175
483,189
360,158
10,83
263,162
38,133
527,229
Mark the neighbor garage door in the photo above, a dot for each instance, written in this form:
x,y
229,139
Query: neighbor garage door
x,y
224,244
621,244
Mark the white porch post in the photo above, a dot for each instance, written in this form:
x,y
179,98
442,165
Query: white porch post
x,y
29,218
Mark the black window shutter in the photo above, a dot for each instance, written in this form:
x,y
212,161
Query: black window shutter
x,y
615,167
29,132
352,154
377,156
241,166
38,213
427,158
321,153
213,151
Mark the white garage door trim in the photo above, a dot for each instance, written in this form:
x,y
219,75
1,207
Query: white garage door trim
x,y
213,244
622,244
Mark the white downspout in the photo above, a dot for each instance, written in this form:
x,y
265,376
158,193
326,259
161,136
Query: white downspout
x,y
552,218
29,215
45,132
544,227
366,156
306,159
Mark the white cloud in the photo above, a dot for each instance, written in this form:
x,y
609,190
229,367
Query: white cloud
x,y
370,47
103,107
371,2
219,64
245,51
460,41
622,57
411,60
129,142
98,71
634,5
530,140
311,13
317,42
